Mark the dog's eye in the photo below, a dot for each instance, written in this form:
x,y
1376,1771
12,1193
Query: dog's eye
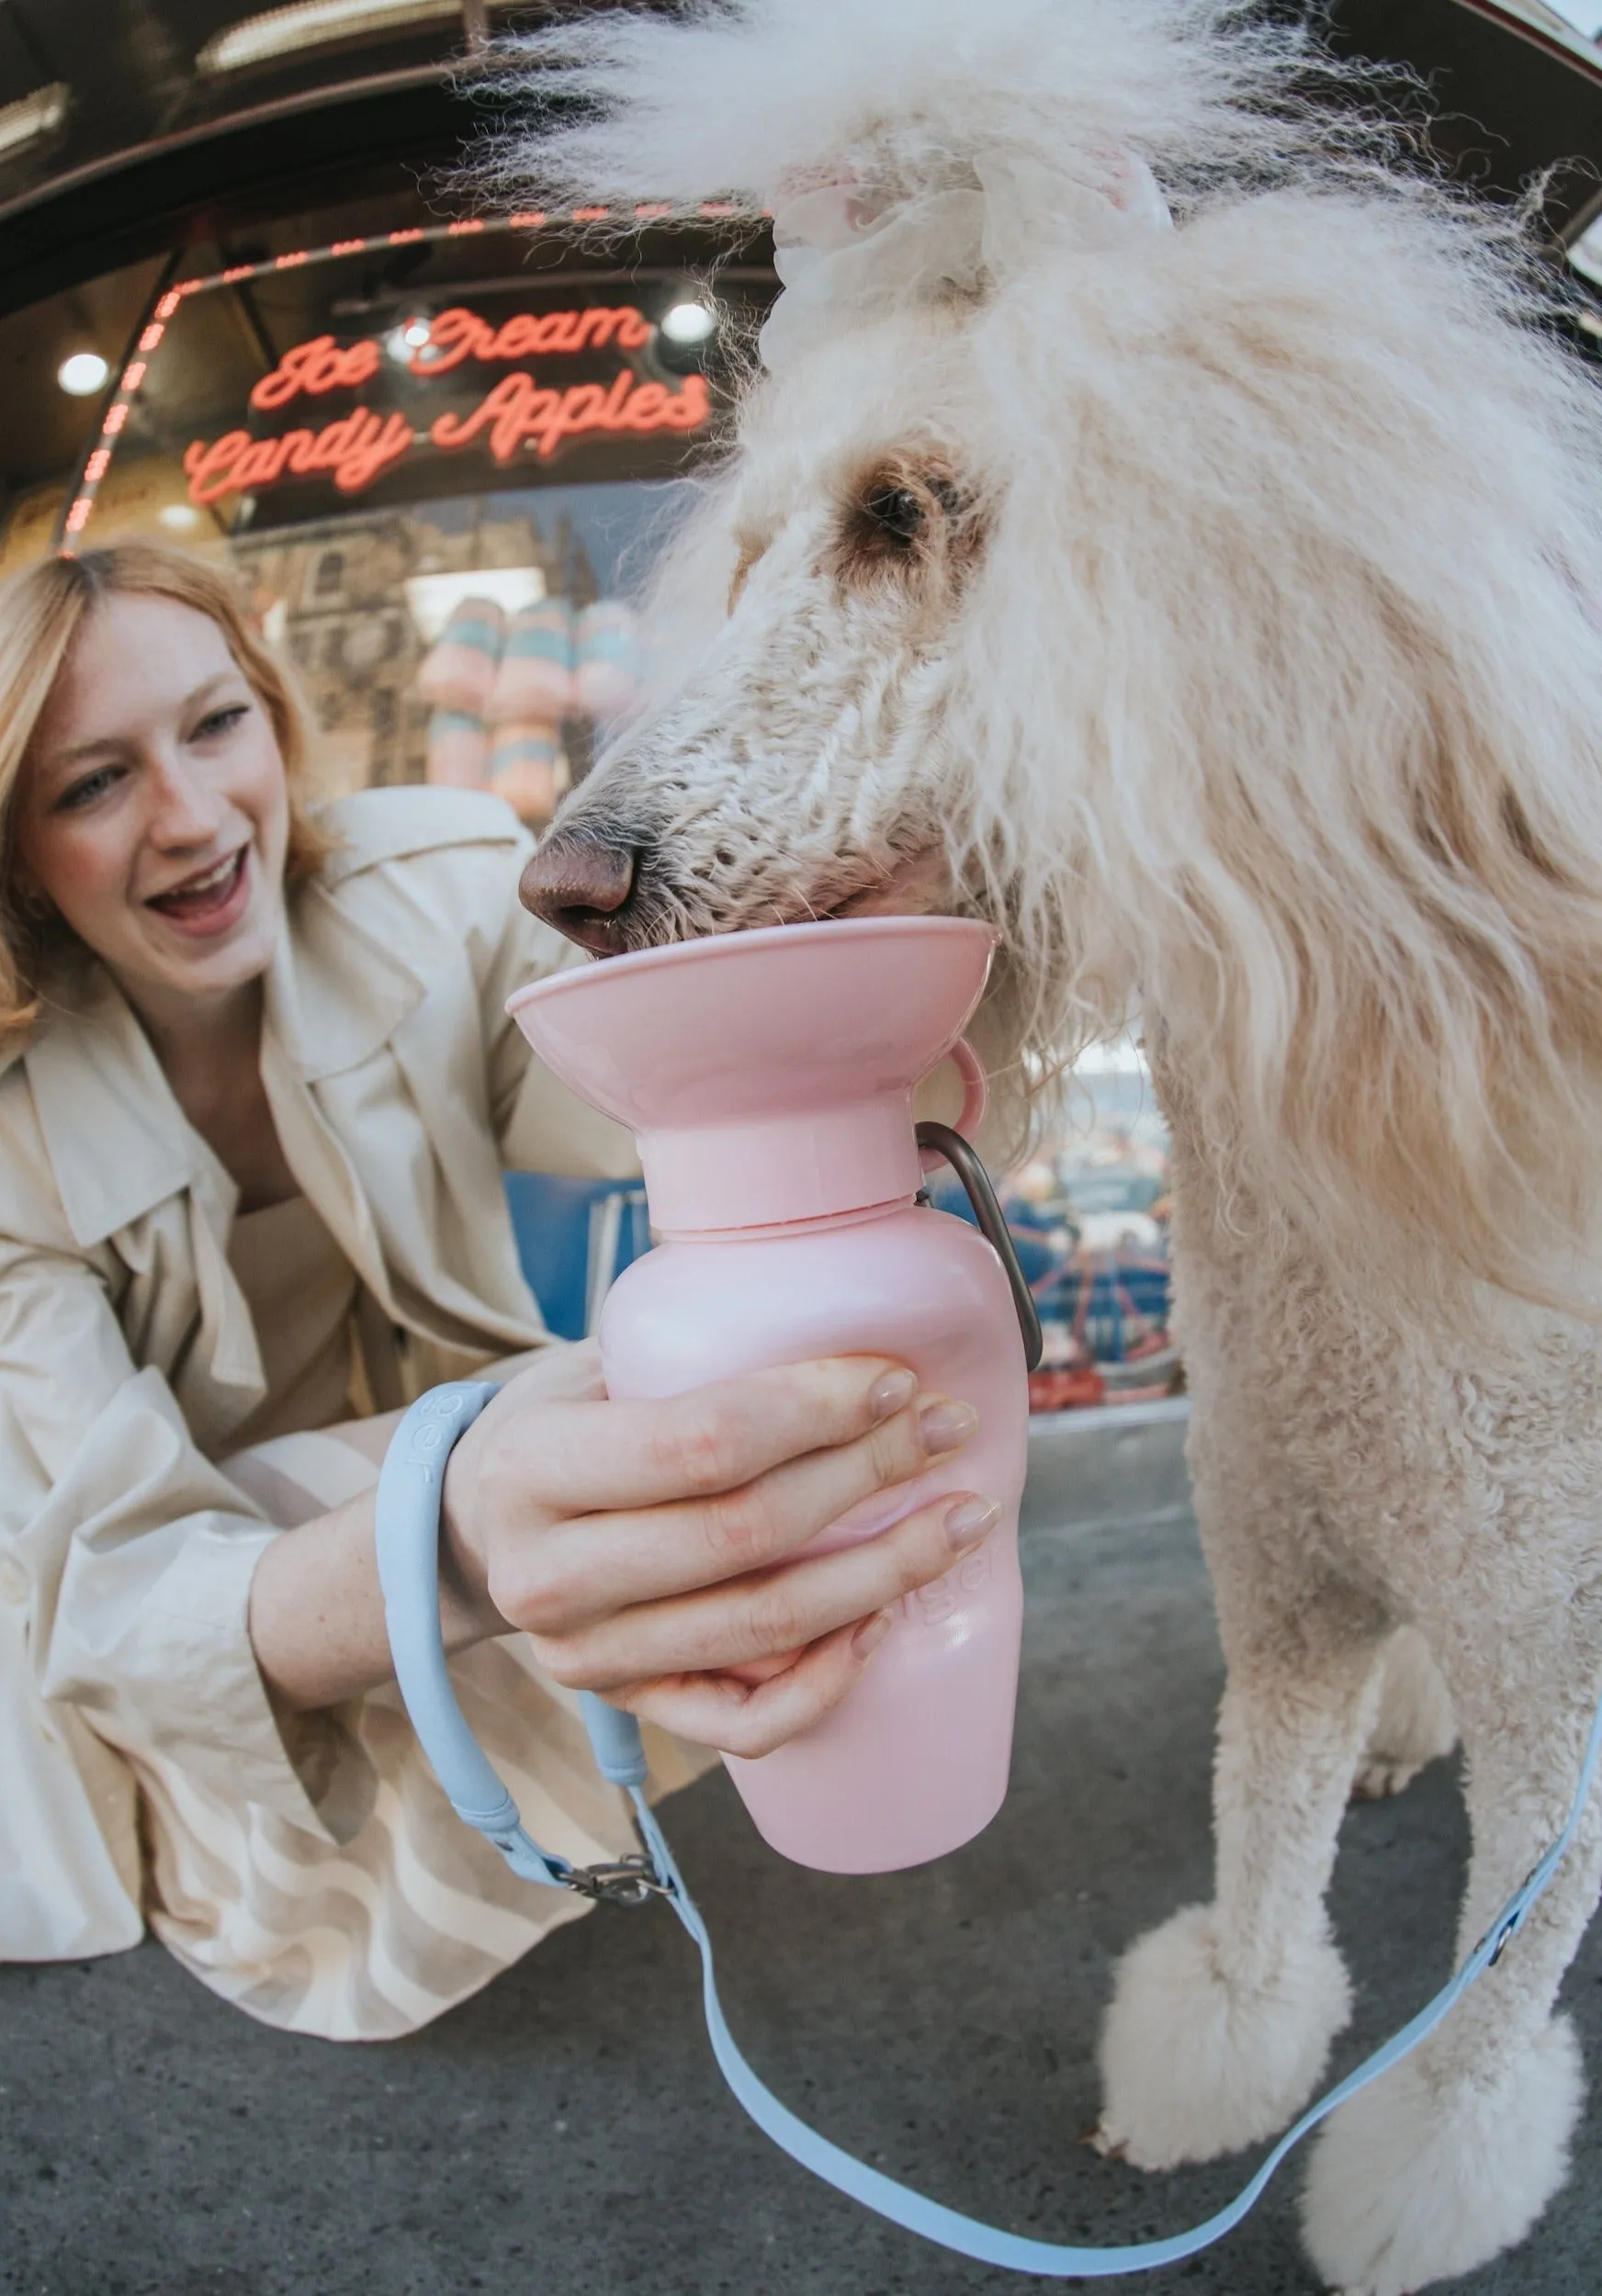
x,y
908,522
896,514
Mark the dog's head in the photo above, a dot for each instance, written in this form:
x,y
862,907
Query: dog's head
x,y
866,624
807,766
1207,607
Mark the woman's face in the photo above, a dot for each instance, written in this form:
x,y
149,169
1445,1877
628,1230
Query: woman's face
x,y
154,812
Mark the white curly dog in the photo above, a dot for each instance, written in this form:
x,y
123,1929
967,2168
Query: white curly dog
x,y
1172,527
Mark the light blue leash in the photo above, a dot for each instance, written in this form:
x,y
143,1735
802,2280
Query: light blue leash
x,y
408,1542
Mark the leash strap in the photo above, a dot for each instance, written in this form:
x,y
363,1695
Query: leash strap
x,y
407,1545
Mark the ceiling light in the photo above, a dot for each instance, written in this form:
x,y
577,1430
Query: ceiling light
x,y
83,374
179,516
306,24
688,322
404,342
32,116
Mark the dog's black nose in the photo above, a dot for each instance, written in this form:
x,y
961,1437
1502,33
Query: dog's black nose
x,y
581,887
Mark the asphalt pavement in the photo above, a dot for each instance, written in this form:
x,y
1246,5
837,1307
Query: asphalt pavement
x,y
565,2132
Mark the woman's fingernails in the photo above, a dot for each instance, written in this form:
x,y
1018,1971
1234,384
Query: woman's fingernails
x,y
945,1425
888,1395
970,1519
871,1633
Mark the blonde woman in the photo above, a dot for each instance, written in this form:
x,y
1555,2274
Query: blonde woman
x,y
256,1093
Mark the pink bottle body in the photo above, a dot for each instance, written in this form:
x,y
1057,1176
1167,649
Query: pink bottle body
x,y
914,1761
767,1078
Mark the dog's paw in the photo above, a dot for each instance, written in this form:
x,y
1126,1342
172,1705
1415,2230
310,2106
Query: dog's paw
x,y
1382,1775
1413,2183
1194,2064
1414,1723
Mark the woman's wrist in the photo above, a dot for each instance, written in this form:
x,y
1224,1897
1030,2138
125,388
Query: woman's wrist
x,y
467,1614
316,1615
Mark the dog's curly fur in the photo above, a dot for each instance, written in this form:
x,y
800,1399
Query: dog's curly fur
x,y
1236,647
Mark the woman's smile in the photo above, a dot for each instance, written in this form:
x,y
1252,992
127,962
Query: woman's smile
x,y
211,900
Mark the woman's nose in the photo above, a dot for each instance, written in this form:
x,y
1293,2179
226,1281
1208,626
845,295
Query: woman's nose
x,y
582,887
187,810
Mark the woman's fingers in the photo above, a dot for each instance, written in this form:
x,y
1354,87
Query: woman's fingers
x,y
563,1577
492,1478
588,1458
786,1609
742,1718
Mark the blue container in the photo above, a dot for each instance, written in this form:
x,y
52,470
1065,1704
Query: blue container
x,y
574,1239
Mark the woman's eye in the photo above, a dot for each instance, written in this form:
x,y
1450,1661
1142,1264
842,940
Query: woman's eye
x,y
84,791
222,721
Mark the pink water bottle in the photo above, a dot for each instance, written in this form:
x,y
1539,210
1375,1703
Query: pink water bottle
x,y
768,1077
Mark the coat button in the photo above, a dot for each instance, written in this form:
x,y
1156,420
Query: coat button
x,y
14,1581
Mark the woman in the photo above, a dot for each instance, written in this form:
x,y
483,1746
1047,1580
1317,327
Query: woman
x,y
257,1091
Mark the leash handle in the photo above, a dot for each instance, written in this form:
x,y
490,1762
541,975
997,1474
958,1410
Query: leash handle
x,y
411,1488
409,1495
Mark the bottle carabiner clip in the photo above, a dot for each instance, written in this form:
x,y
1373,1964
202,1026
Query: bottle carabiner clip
x,y
965,1161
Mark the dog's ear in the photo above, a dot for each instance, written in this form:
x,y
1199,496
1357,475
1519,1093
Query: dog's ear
x,y
1284,690
1395,994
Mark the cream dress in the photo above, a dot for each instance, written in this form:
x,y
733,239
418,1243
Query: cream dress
x,y
165,1373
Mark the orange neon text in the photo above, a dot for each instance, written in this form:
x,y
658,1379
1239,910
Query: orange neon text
x,y
314,367
321,364
354,452
459,335
516,416
518,413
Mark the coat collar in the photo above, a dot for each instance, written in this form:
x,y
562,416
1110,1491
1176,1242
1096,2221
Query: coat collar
x,y
336,993
118,1140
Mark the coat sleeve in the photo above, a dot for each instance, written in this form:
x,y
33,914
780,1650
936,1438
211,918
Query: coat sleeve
x,y
138,1552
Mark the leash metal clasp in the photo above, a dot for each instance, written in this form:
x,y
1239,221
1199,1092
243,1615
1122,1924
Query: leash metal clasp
x,y
630,1881
1508,1923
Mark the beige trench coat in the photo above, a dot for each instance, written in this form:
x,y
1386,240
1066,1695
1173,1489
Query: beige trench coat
x,y
127,1356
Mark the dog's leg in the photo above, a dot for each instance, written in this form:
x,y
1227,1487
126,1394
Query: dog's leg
x,y
1221,2020
1414,1723
1452,2158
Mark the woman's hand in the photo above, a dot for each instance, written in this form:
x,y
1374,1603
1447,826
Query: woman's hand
x,y
648,1550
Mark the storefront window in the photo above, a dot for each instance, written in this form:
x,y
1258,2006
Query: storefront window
x,y
436,455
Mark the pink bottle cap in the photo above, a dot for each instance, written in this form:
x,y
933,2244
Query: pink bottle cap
x,y
767,1077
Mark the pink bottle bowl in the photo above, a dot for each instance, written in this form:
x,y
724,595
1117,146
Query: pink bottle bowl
x,y
768,1077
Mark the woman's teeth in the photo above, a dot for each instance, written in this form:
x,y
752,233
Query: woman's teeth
x,y
205,891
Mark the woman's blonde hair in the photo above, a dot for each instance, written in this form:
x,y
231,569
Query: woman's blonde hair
x,y
41,612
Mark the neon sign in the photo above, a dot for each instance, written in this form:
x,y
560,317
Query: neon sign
x,y
97,458
517,414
